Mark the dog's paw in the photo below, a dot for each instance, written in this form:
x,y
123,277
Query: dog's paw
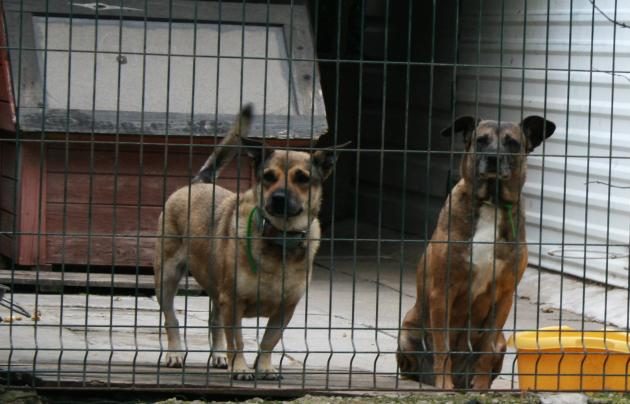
x,y
242,375
219,361
268,374
444,382
481,382
174,360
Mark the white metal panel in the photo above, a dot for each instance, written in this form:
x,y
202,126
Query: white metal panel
x,y
546,58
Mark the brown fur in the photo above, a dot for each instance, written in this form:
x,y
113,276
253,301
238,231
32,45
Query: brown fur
x,y
203,230
226,150
452,336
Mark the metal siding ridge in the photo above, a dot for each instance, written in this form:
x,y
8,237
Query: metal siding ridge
x,y
589,110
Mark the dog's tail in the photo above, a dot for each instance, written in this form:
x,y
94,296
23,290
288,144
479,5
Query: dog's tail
x,y
224,152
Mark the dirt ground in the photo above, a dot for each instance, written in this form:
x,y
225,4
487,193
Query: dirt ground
x,y
31,397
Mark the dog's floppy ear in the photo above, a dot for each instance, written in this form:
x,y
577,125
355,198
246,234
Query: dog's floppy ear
x,y
324,160
536,129
464,125
255,150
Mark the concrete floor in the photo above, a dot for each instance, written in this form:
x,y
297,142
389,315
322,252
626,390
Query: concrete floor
x,y
342,334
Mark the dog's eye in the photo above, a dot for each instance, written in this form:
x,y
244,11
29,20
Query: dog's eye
x,y
511,144
270,176
301,177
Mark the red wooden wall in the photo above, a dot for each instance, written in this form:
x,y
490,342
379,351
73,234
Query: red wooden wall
x,y
83,204
8,173
103,210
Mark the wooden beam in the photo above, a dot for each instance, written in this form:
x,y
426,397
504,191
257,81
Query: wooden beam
x,y
81,279
7,107
32,206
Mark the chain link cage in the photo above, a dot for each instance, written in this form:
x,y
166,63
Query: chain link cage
x,y
321,199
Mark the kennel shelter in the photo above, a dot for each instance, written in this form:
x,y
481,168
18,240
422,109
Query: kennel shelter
x,y
106,107
106,122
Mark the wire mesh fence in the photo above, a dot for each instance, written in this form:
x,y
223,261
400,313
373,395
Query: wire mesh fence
x,y
149,229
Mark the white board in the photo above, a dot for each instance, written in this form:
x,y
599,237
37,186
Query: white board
x,y
185,68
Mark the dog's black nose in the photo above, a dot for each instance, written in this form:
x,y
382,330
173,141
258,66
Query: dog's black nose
x,y
278,201
491,164
281,203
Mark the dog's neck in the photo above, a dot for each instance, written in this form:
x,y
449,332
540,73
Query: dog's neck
x,y
286,239
494,199
495,192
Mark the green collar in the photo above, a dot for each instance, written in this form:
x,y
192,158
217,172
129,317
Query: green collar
x,y
285,239
509,207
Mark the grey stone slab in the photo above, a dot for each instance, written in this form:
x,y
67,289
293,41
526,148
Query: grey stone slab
x,y
564,398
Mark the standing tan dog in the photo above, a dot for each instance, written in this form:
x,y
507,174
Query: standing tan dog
x,y
452,336
252,252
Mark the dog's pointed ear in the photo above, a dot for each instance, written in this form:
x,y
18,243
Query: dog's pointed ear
x,y
536,129
324,160
255,150
464,124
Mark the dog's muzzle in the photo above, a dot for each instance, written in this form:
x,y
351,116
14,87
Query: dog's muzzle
x,y
280,203
494,167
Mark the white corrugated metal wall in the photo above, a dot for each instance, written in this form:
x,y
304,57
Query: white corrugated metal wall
x,y
566,60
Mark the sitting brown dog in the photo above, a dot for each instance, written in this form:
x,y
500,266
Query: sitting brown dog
x,y
252,252
452,336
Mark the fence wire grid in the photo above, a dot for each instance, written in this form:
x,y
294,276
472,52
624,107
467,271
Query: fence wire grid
x,y
396,236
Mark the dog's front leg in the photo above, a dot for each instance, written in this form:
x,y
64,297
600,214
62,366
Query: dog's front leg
x,y
493,344
275,326
489,364
490,360
232,315
439,316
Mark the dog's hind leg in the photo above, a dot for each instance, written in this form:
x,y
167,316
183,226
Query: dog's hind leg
x,y
219,346
275,326
166,284
414,356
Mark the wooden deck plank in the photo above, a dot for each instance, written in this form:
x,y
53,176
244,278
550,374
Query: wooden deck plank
x,y
203,377
331,345
81,279
93,340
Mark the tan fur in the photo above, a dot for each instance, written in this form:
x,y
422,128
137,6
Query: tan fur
x,y
203,230
452,336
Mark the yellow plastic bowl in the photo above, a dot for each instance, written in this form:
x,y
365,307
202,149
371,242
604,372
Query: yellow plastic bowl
x,y
562,358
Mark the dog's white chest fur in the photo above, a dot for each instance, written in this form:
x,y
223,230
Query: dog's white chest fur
x,y
485,264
